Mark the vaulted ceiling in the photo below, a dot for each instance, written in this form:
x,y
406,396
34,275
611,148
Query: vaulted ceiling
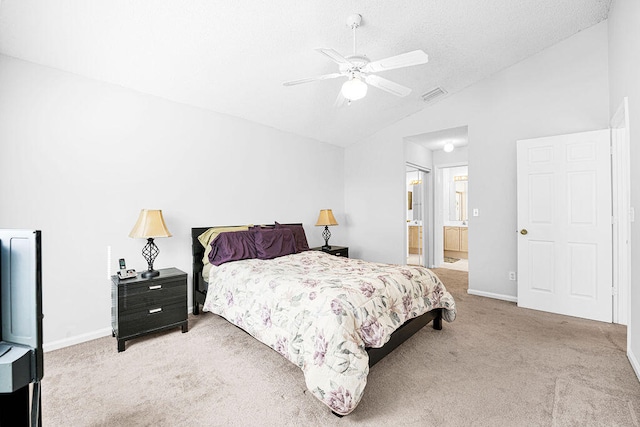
x,y
232,56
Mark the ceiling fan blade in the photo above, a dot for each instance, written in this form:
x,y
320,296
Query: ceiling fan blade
x,y
313,79
387,85
340,102
408,59
334,56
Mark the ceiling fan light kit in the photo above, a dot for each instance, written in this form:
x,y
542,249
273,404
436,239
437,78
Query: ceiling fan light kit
x,y
354,89
361,71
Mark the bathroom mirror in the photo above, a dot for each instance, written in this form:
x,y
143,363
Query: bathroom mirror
x,y
458,192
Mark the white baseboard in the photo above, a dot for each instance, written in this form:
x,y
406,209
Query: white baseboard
x,y
509,298
634,363
66,342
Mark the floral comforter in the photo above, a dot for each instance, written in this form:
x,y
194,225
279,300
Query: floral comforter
x,y
320,311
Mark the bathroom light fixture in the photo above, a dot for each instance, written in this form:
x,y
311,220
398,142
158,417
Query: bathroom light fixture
x,y
448,147
354,89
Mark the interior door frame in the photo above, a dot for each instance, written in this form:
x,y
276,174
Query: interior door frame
x,y
622,215
621,210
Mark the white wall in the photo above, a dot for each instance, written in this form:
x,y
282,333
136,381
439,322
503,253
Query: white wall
x,y
624,73
563,89
80,158
374,181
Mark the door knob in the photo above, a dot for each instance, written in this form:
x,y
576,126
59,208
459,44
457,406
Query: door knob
x,y
523,231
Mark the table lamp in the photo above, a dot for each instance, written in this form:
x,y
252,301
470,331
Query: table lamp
x,y
149,226
326,218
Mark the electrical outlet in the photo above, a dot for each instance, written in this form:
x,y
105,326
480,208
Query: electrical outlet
x,y
476,212
512,275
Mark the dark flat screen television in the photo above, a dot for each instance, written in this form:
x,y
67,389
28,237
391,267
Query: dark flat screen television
x,y
21,356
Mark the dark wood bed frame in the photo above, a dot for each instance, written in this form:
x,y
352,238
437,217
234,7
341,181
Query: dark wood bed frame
x,y
402,334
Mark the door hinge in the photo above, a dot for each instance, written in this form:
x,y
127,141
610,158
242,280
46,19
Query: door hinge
x,y
614,291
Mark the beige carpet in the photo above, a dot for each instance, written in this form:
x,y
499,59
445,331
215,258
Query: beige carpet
x,y
496,365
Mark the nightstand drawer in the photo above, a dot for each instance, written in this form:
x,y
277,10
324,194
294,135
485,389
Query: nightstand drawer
x,y
149,319
340,252
141,295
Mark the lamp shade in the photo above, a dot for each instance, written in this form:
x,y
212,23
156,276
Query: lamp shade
x,y
326,218
354,89
150,225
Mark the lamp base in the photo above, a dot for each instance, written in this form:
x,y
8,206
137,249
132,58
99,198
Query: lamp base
x,y
150,273
326,234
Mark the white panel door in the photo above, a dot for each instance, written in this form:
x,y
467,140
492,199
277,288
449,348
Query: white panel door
x,y
564,224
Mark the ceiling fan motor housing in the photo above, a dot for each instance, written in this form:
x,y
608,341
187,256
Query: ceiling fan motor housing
x,y
357,62
354,20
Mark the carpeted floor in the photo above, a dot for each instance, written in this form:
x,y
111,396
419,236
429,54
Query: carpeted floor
x,y
496,365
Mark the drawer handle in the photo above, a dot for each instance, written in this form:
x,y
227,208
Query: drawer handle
x,y
155,310
153,288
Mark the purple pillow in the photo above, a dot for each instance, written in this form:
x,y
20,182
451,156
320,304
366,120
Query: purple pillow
x,y
232,246
298,235
271,242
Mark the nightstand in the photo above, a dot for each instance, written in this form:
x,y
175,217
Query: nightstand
x,y
141,306
335,250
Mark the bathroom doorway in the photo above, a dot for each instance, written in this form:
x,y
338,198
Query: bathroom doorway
x,y
453,192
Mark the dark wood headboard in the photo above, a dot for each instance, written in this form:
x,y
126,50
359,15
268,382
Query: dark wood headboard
x,y
197,252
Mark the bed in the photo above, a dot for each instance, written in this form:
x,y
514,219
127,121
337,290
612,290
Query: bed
x,y
333,317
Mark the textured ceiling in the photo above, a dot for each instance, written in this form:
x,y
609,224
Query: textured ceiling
x,y
231,56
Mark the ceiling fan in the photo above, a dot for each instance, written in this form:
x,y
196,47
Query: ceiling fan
x,y
360,71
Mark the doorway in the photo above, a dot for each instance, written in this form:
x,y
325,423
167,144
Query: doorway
x,y
452,201
416,215
429,152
